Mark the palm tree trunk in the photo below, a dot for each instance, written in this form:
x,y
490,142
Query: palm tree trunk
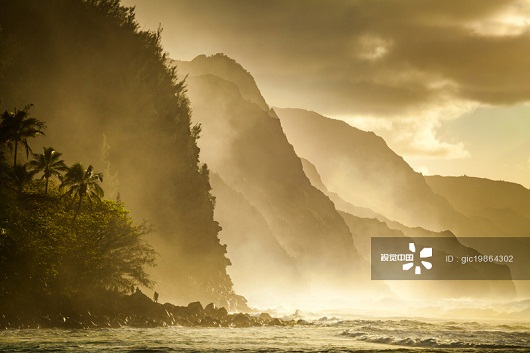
x,y
78,207
46,189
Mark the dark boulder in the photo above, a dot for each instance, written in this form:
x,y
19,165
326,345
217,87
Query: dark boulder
x,y
215,312
241,320
265,317
195,309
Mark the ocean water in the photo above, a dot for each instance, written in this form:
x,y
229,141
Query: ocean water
x,y
392,335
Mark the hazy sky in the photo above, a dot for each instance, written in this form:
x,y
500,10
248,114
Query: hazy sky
x,y
445,82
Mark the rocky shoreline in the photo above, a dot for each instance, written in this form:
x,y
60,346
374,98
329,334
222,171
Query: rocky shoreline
x,y
114,310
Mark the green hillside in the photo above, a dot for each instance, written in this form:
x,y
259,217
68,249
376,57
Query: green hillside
x,y
103,87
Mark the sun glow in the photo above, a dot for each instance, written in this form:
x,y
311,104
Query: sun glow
x,y
513,21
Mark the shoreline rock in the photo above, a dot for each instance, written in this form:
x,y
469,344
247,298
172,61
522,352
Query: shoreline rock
x,y
114,310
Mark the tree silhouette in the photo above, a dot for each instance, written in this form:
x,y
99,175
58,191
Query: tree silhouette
x,y
17,127
49,163
81,183
22,176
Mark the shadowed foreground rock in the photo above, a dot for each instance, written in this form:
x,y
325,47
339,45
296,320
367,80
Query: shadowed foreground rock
x,y
112,309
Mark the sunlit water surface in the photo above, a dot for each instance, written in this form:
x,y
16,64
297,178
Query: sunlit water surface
x,y
322,336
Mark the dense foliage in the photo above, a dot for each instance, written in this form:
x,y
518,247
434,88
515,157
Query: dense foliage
x,y
53,245
94,75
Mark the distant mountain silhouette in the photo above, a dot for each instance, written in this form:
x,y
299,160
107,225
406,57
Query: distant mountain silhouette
x,y
361,168
341,205
505,204
365,224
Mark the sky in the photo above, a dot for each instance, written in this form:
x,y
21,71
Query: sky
x,y
445,82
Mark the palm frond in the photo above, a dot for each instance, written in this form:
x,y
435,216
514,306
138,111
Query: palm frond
x,y
82,184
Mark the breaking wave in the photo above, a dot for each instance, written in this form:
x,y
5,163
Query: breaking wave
x,y
412,333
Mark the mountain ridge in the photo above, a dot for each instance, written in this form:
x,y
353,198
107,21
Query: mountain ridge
x,y
224,67
363,170
504,204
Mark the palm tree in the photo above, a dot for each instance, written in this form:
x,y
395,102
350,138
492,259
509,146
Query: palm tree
x,y
49,163
17,127
82,184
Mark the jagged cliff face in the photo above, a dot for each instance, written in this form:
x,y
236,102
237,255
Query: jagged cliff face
x,y
244,143
361,168
261,268
99,82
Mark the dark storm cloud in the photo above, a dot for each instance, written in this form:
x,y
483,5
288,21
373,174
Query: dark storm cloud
x,y
364,57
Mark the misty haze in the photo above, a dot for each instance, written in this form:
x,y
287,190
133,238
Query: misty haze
x,y
191,175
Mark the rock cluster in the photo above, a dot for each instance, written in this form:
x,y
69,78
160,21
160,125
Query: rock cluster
x,y
136,310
